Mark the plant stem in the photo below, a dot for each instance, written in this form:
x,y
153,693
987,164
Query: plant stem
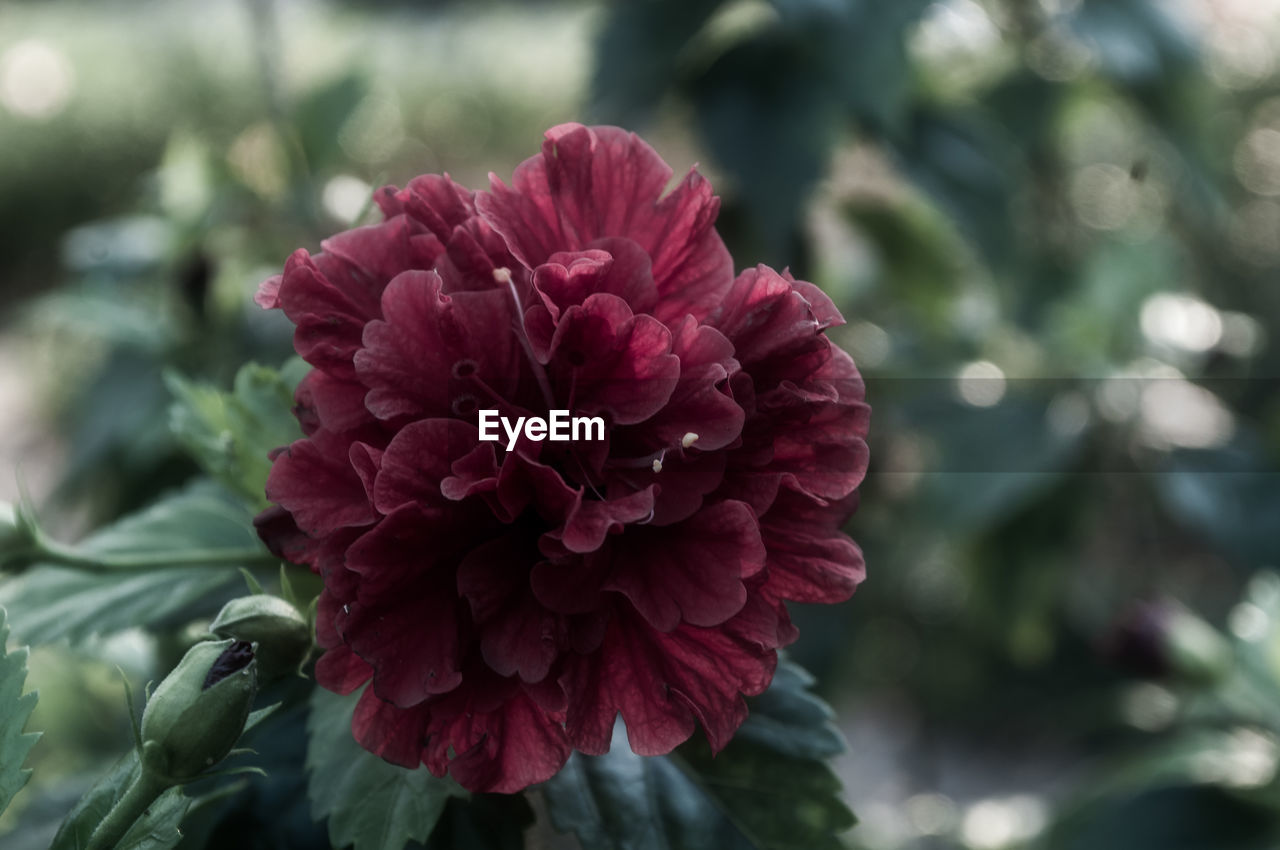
x,y
68,556
142,792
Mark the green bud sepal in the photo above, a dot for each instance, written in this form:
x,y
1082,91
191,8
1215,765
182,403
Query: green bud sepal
x,y
279,631
190,723
198,712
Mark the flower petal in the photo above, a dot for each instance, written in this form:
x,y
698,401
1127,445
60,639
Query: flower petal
x,y
411,643
314,480
426,357
662,682
616,362
691,572
418,459
506,749
594,183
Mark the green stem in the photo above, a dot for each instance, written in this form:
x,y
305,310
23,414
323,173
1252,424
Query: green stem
x,y
69,556
144,791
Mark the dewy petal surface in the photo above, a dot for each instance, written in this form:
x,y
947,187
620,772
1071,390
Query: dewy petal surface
x,y
502,602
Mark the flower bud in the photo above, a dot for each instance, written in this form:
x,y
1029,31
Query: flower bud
x,y
1164,640
280,631
197,714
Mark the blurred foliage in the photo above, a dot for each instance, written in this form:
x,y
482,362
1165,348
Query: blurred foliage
x,y
1054,227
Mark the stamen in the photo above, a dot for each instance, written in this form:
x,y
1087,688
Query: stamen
x,y
503,275
653,461
688,440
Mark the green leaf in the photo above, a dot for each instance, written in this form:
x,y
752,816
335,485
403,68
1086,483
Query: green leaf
x,y
770,116
968,168
770,788
15,708
231,434
156,830
320,115
991,460
370,803
638,55
856,41
790,719
1227,494
919,251
1134,41
50,603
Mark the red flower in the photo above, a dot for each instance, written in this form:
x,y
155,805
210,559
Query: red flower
x,y
507,605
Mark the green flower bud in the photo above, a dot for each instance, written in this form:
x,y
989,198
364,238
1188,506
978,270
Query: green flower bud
x,y
197,714
280,631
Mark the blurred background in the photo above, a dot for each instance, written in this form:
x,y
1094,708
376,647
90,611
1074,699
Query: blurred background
x,y
1053,226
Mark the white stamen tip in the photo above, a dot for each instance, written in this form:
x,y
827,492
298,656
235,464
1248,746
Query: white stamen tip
x,y
657,465
688,440
502,275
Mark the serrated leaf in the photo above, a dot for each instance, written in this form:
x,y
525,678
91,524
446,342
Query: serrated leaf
x,y
15,708
50,603
791,719
371,804
769,788
155,830
230,434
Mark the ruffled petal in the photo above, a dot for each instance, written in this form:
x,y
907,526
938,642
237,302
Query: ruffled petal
x,y
314,480
384,729
418,459
617,363
412,644
434,351
661,683
691,572
594,183
504,750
